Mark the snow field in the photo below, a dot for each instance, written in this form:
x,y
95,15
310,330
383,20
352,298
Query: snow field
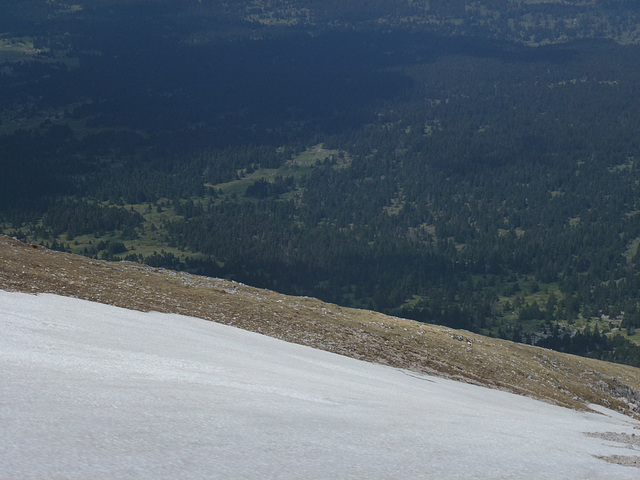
x,y
93,391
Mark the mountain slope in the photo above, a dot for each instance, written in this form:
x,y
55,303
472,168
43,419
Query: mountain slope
x,y
422,159
562,379
94,391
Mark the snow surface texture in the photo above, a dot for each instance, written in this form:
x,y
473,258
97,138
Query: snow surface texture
x,y
92,391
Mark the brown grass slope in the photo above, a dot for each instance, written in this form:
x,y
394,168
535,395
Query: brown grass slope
x,y
562,379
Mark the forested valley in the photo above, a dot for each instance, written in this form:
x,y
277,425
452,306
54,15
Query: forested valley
x,y
480,172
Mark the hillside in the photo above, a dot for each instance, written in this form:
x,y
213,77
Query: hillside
x,y
96,391
471,164
558,378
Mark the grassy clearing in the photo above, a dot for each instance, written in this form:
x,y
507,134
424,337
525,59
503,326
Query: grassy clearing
x,y
18,48
151,240
632,249
239,187
297,167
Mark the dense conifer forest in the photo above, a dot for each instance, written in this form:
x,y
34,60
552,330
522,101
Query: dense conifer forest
x,y
472,164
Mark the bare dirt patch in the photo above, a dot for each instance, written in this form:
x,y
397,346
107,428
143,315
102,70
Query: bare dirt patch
x,y
622,460
624,440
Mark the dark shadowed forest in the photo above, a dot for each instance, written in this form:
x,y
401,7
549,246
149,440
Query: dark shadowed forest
x,y
471,164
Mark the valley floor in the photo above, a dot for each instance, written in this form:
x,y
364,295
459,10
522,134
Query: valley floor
x,y
90,390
